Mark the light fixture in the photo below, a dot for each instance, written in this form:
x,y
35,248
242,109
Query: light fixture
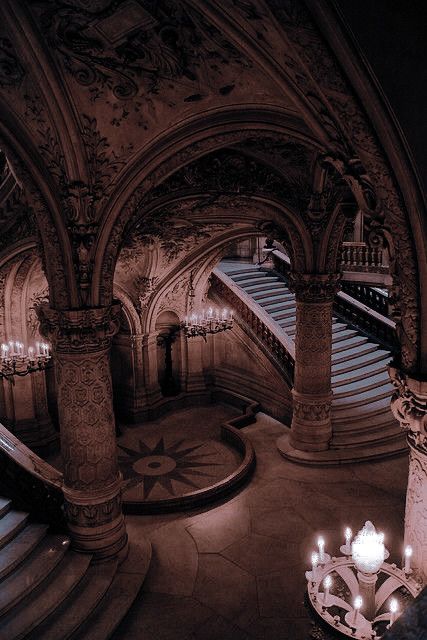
x,y
342,590
17,360
207,321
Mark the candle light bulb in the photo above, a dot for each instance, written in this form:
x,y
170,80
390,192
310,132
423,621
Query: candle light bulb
x,y
358,601
321,545
393,609
314,563
408,554
327,583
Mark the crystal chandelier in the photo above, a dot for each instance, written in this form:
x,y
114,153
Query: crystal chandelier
x,y
207,321
342,590
17,360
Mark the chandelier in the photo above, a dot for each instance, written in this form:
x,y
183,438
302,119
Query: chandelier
x,y
343,589
17,360
207,321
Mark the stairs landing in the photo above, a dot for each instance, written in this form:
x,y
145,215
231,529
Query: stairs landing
x,y
362,423
49,592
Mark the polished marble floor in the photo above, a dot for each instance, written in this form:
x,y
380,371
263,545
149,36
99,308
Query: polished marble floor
x,y
236,570
177,454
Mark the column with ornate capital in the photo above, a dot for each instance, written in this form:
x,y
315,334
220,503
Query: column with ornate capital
x,y
409,406
81,341
311,423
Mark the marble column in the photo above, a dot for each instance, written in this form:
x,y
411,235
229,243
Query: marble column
x,y
311,423
81,342
409,406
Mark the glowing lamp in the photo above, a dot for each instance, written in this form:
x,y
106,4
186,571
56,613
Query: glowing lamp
x,y
368,549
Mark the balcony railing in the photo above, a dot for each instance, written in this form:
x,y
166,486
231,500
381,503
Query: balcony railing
x,y
367,308
357,256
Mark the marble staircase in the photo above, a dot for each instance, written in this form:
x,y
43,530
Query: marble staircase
x,y
362,422
49,592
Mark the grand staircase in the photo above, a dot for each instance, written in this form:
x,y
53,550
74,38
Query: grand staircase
x,y
362,422
49,592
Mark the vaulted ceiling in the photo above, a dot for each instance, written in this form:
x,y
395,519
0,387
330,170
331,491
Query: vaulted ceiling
x,y
107,104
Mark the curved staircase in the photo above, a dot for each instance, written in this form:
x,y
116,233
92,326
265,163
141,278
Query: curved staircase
x,y
362,422
49,592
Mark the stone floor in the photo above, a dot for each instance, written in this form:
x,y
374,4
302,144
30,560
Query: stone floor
x,y
177,454
236,570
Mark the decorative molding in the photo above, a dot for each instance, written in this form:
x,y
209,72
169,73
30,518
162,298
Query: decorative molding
x,y
409,406
11,70
79,330
313,287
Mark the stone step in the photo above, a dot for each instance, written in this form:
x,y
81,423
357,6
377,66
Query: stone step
x,y
285,315
361,385
366,422
379,391
287,307
338,336
280,294
287,322
349,415
72,614
395,441
44,600
367,435
10,525
340,365
354,342
20,547
359,373
120,596
259,278
345,356
5,505
341,455
275,303
233,271
263,289
32,572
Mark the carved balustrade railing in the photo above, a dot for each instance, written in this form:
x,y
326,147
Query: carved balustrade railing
x,y
377,326
365,307
33,484
372,297
256,322
357,256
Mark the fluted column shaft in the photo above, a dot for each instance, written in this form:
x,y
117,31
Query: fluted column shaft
x,y
81,342
311,423
409,406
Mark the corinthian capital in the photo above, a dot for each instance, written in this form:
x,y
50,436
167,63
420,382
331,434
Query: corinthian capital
x,y
79,330
314,287
409,405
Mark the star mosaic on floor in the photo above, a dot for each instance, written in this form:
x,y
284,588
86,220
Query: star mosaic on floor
x,y
149,466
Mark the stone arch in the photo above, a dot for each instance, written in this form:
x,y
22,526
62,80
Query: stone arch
x,y
180,148
38,193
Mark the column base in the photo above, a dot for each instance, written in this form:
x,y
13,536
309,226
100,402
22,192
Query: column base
x,y
96,523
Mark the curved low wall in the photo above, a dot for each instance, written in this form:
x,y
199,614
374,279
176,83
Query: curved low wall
x,y
231,434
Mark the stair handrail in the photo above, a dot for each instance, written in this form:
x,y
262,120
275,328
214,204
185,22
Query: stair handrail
x,y
353,311
32,483
252,316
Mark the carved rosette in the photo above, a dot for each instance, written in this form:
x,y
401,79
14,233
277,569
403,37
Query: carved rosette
x,y
81,342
